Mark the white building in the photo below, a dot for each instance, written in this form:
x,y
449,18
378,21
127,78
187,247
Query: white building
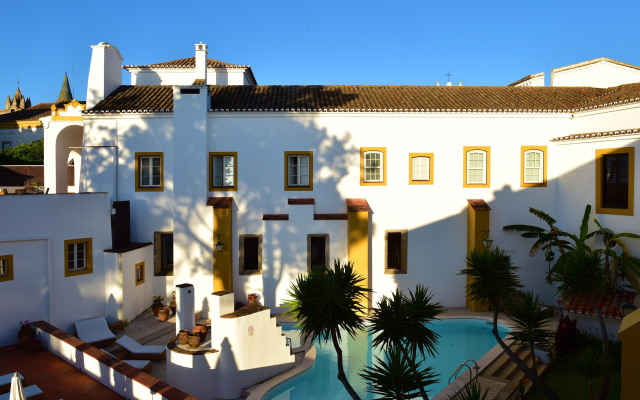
x,y
400,180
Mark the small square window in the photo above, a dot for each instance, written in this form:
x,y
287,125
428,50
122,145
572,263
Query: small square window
x,y
78,257
223,171
6,145
420,168
149,172
373,166
298,170
139,273
6,268
250,247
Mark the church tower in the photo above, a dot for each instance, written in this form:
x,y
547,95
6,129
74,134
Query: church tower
x,y
65,92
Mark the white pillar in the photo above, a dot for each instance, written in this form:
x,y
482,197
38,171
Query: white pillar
x,y
185,307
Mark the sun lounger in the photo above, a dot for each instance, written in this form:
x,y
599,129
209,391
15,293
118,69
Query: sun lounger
x,y
95,331
138,351
5,381
144,365
32,392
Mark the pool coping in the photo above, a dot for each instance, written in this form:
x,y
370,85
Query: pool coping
x,y
260,390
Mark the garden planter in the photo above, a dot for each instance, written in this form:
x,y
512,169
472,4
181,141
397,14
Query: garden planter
x,y
194,341
25,335
163,315
202,330
183,336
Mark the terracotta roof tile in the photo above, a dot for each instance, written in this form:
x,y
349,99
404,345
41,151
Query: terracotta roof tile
x,y
609,304
29,114
301,201
189,62
220,202
254,98
356,205
591,135
479,204
275,217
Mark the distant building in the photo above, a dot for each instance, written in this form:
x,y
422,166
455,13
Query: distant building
x,y
17,103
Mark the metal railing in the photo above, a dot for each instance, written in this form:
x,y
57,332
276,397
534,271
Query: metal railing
x,y
465,364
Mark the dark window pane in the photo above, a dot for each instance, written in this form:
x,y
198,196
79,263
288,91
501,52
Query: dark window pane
x,y
394,250
167,252
251,245
318,256
615,181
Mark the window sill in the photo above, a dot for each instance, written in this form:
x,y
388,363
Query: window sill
x,y
163,273
250,272
393,271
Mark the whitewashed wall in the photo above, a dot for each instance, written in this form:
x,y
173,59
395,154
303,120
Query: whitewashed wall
x,y
21,135
185,76
602,74
39,227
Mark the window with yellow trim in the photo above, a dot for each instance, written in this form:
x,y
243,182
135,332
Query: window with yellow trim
x,y
223,171
78,257
477,166
420,168
614,180
149,172
298,170
139,270
373,166
6,268
533,166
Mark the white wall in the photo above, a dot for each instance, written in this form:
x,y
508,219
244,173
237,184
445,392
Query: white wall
x,y
39,227
186,76
600,74
21,135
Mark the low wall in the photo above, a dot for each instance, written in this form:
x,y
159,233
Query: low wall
x,y
129,382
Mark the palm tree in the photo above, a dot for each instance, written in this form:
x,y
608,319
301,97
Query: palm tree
x,y
592,364
326,302
546,238
395,376
401,322
473,391
493,280
623,264
529,316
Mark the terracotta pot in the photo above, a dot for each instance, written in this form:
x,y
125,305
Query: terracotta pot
x,y
202,330
183,336
156,306
163,315
194,340
172,305
25,334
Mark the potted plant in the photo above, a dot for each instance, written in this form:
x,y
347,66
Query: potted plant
x,y
25,334
157,304
173,302
253,298
202,330
194,339
163,314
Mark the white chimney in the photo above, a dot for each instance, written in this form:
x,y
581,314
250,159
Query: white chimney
x,y
201,62
105,73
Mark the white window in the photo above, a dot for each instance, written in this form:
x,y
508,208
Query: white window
x,y
76,256
298,166
533,166
150,171
420,168
373,161
223,171
476,167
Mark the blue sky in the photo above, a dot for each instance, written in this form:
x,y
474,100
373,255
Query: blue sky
x,y
326,42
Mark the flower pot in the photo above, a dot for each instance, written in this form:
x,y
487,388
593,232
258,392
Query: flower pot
x,y
172,305
163,315
25,335
202,330
194,341
183,336
156,306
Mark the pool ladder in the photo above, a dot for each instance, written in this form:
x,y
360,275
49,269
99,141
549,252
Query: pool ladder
x,y
466,364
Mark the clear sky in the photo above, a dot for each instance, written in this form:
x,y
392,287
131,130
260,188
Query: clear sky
x,y
288,42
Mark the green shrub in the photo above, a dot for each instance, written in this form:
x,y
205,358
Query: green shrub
x,y
31,153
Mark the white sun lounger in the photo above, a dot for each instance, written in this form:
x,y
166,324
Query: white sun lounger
x,y
144,365
32,392
5,381
138,351
95,331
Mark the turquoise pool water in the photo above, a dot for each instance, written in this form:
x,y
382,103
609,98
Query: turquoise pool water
x,y
460,339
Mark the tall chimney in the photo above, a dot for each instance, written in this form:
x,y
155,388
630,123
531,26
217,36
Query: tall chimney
x,y
201,62
105,73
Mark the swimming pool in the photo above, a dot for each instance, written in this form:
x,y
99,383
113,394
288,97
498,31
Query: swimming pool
x,y
460,339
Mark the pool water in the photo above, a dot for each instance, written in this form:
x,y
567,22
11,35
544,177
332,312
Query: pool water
x,y
460,339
